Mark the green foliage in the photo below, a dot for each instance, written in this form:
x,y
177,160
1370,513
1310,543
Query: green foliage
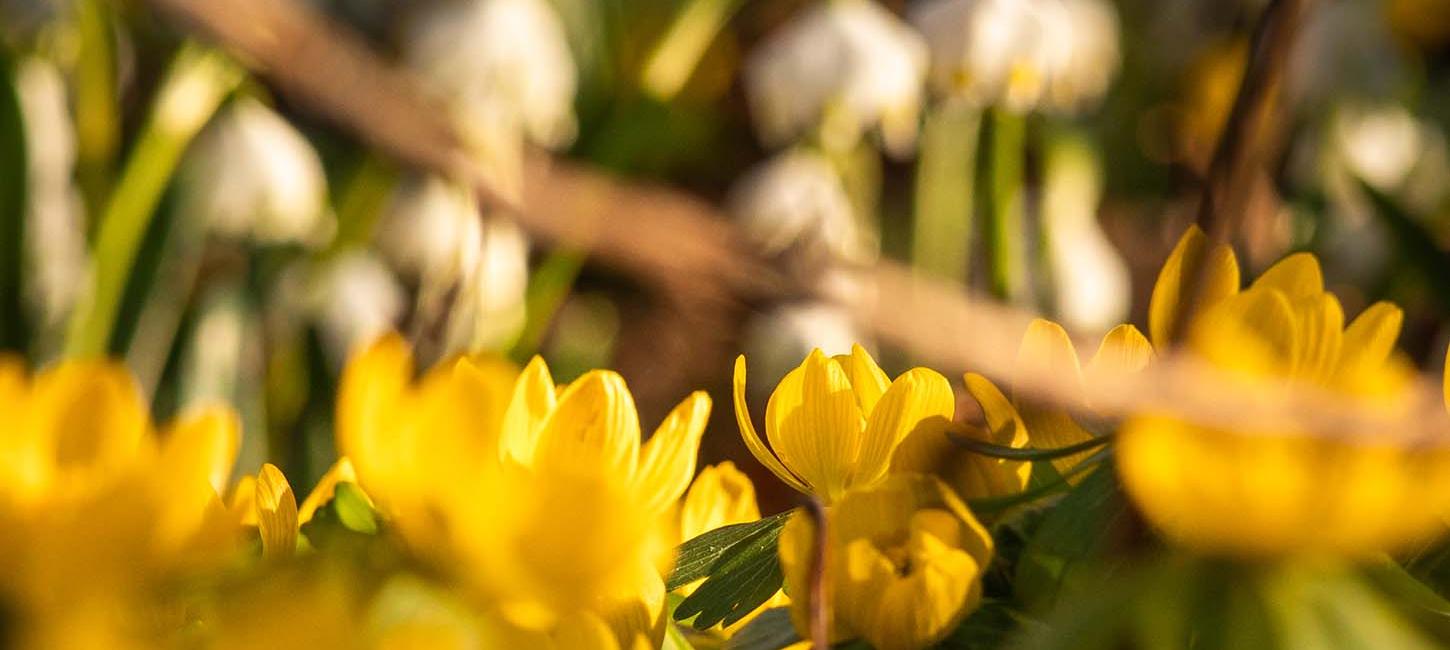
x,y
740,568
770,630
1069,534
347,519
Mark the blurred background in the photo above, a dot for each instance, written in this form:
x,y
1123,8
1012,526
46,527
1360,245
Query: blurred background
x,y
648,163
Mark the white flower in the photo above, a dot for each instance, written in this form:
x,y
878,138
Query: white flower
x,y
798,200
1021,54
431,231
354,298
1092,285
844,67
55,240
488,313
503,62
1379,144
251,175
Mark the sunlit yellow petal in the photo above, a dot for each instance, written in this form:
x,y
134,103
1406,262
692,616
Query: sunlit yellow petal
x,y
242,504
369,401
815,425
721,495
916,395
667,460
1124,350
276,512
752,439
595,427
867,378
1371,336
1003,420
533,399
1048,352
1320,322
1169,302
341,472
206,440
1297,275
92,414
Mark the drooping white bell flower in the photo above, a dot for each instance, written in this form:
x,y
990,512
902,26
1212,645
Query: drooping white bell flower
x,y
1093,288
1020,54
841,69
435,233
489,310
56,259
431,231
252,175
506,68
354,298
797,200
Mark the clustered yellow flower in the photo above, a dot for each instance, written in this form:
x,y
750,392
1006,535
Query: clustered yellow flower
x,y
537,514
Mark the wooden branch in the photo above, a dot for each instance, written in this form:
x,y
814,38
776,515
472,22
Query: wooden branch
x,y
685,248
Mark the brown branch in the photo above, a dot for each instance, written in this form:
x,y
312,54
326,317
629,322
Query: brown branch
x,y
820,610
686,249
1239,156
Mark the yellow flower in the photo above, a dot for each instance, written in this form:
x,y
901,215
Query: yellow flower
x,y
544,500
1045,351
833,423
97,508
1276,488
904,563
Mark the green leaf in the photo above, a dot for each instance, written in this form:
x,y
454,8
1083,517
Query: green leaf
x,y
697,556
745,575
1070,532
347,518
1039,488
771,630
14,176
988,627
1017,453
1415,598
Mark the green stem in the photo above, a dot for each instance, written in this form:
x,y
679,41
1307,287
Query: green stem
x,y
1002,228
942,239
998,504
679,52
362,200
1017,453
94,89
193,89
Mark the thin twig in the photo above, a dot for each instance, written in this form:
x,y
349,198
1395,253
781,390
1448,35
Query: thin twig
x,y
1240,152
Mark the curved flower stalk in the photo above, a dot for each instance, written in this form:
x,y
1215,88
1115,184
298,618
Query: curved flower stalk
x,y
833,422
1278,489
842,69
98,507
502,480
904,563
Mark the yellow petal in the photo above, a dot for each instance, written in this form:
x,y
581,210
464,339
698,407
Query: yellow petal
x,y
917,395
1169,301
369,400
928,450
1046,352
1320,322
523,420
1003,420
1297,275
243,501
276,512
815,425
1249,329
667,461
1371,336
1124,350
204,440
594,428
867,379
92,415
721,495
340,472
752,439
